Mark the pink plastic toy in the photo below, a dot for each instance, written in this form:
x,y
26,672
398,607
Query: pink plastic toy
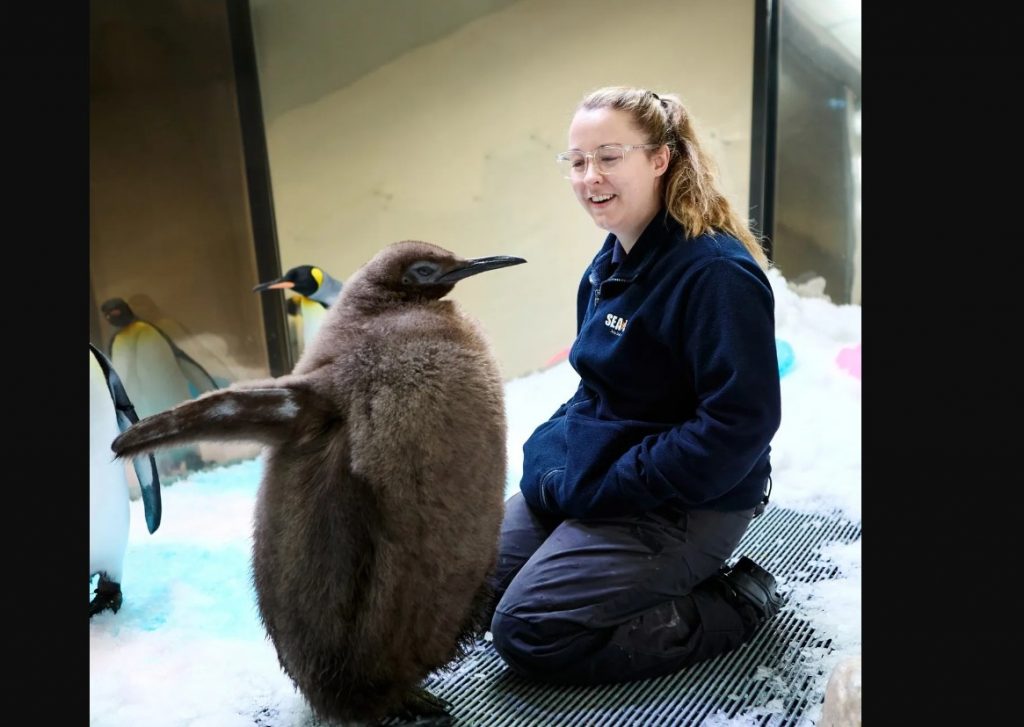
x,y
560,356
849,359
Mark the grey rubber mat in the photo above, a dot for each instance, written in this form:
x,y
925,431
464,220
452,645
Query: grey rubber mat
x,y
779,671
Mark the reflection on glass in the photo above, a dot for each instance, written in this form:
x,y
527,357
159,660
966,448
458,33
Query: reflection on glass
x,y
817,187
171,253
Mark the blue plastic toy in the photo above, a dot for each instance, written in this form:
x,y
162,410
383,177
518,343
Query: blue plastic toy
x,y
785,354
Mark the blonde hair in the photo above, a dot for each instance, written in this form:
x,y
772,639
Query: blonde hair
x,y
691,194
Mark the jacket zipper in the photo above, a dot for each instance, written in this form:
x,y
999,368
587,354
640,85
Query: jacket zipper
x,y
597,288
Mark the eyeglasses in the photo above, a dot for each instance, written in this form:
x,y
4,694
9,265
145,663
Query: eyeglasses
x,y
606,158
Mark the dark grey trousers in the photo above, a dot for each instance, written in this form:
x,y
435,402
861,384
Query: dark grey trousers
x,y
614,599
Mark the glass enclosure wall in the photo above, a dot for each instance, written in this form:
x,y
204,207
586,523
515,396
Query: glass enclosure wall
x,y
171,251
817,235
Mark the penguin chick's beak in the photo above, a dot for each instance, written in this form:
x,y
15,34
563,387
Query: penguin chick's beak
x,y
479,265
274,285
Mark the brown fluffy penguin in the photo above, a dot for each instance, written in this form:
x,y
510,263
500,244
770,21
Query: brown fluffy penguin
x,y
378,516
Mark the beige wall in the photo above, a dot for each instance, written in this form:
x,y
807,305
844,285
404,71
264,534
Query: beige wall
x,y
453,142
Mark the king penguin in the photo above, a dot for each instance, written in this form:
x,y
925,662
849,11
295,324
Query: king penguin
x,y
110,413
315,292
378,516
157,372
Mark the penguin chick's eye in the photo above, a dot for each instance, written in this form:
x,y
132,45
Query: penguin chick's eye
x,y
420,273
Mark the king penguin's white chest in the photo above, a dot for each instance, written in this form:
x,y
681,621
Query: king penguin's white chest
x,y
108,485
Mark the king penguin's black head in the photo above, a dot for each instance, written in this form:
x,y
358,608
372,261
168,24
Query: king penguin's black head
x,y
303,279
421,270
117,312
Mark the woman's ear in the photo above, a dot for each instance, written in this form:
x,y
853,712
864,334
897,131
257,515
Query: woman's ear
x,y
661,158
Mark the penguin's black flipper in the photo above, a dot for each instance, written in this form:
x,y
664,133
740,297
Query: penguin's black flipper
x,y
145,467
149,484
199,379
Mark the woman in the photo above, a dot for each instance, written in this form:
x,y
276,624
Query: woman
x,y
638,489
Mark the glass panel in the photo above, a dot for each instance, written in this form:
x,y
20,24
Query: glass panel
x,y
817,187
170,235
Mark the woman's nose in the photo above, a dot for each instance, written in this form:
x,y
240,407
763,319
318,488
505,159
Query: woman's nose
x,y
591,174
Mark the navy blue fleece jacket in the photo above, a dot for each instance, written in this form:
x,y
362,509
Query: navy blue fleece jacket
x,y
679,383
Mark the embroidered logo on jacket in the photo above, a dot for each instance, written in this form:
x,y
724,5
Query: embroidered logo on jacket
x,y
618,325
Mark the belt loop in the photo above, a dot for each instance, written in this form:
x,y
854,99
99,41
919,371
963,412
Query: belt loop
x,y
764,501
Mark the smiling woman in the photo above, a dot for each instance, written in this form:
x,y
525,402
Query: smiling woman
x,y
646,479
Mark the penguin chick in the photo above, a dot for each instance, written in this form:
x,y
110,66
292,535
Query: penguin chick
x,y
378,515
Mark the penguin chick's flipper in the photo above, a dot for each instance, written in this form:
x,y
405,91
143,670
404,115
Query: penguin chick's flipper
x,y
108,595
145,467
266,414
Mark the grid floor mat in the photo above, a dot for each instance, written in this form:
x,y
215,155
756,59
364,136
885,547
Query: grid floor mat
x,y
778,671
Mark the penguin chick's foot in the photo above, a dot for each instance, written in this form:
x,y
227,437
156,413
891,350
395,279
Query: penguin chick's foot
x,y
422,708
108,595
